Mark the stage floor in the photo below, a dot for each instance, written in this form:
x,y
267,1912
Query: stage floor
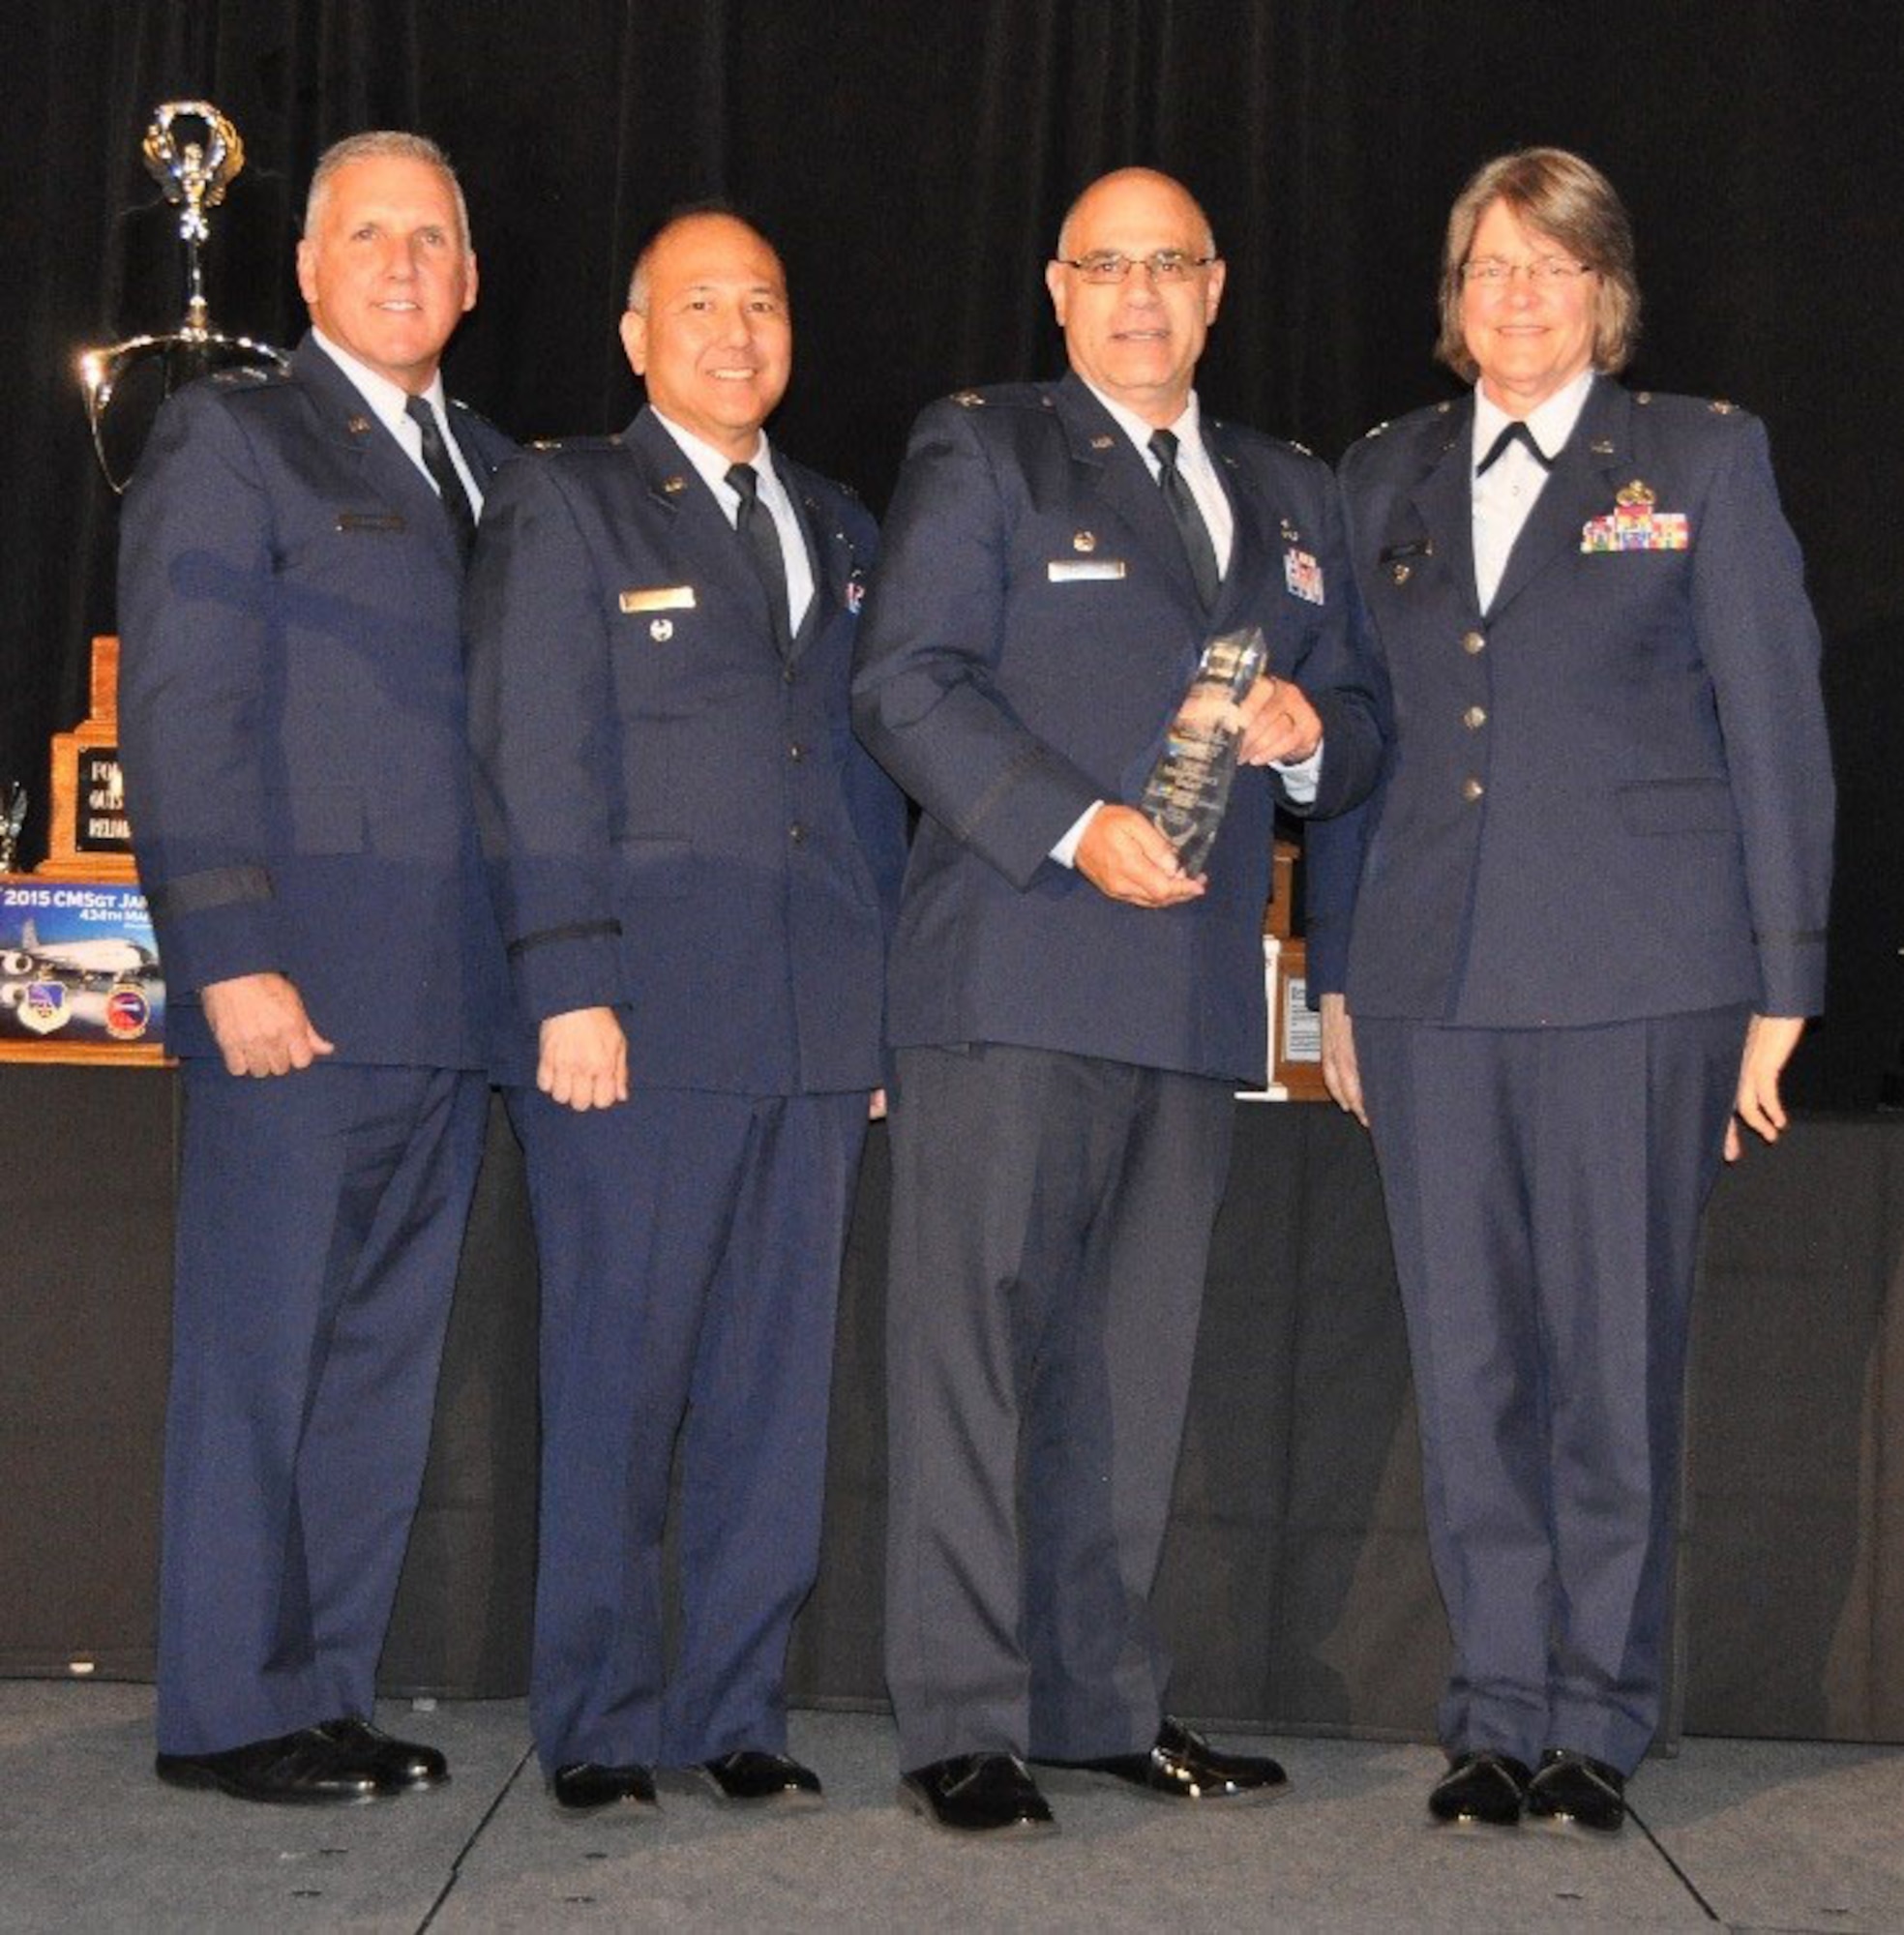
x,y
1748,1834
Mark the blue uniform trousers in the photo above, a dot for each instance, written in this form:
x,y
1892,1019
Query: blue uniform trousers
x,y
1544,1190
690,1248
1051,1224
320,1216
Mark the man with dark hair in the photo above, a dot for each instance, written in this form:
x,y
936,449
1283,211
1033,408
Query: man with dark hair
x,y
695,864
297,778
1070,1010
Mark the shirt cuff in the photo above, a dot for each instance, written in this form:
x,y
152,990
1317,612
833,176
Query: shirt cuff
x,y
1301,777
1065,852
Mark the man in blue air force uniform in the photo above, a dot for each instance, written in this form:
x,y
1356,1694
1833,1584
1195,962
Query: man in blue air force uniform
x,y
1070,1010
695,864
293,737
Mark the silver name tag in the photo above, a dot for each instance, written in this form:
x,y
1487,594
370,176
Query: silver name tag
x,y
1082,570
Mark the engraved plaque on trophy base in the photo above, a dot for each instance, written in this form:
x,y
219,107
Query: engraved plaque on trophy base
x,y
89,838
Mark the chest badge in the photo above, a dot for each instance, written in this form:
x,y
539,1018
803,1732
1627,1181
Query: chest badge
x,y
1636,495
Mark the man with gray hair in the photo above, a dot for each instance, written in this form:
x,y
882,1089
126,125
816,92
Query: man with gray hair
x,y
293,705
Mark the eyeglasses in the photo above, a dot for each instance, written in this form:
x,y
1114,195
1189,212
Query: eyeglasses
x,y
1549,272
1165,265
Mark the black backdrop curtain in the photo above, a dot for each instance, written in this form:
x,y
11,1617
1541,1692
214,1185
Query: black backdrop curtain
x,y
911,159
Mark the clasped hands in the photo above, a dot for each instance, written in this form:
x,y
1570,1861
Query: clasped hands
x,y
1123,855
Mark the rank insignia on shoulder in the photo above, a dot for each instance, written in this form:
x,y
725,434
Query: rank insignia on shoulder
x,y
1375,429
967,400
546,443
1721,408
1302,447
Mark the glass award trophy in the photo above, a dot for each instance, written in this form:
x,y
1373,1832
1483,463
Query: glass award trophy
x,y
1189,786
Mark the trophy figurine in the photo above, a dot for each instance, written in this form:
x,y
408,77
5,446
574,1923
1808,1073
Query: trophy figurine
x,y
1189,786
12,816
194,174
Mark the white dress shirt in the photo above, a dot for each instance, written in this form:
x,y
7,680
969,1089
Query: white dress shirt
x,y
389,401
713,466
1503,497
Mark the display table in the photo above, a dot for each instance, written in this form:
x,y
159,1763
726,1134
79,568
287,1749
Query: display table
x,y
1295,1588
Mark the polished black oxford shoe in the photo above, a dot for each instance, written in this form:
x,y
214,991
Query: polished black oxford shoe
x,y
1182,1766
978,1794
1486,1787
583,1787
758,1779
1569,1786
305,1766
400,1764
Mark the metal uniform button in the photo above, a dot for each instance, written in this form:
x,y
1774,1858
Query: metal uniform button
x,y
1473,642
1471,788
798,834
796,752
1474,718
787,674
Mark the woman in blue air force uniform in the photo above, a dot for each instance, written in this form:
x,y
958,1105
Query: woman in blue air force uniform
x,y
1578,928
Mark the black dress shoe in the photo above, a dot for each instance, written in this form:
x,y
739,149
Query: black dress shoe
x,y
762,1780
305,1766
1183,1766
583,1787
1489,1787
978,1794
1575,1787
396,1763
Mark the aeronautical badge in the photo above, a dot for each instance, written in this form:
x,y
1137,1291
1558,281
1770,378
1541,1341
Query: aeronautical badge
x,y
1636,493
1303,575
128,1014
43,1007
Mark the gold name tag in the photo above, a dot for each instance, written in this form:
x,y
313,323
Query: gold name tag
x,y
660,598
1082,570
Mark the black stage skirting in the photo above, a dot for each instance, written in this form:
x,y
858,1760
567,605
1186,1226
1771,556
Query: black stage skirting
x,y
1296,1586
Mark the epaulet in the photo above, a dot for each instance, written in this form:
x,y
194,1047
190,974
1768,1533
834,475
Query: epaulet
x,y
1376,430
249,376
1005,395
475,416
1300,449
1696,407
548,446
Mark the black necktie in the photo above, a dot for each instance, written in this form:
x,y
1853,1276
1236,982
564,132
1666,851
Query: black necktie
x,y
1189,520
443,474
755,525
1515,432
